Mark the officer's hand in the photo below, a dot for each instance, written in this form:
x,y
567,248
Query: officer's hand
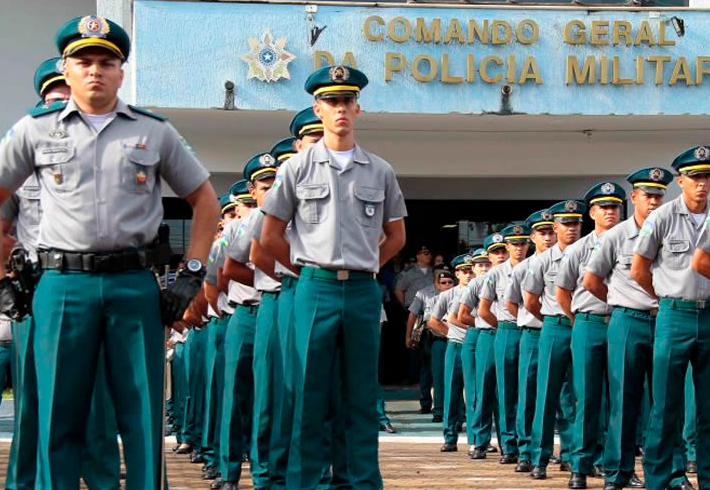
x,y
175,300
408,342
12,304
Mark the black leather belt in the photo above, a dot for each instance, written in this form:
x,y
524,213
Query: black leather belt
x,y
96,262
234,304
5,343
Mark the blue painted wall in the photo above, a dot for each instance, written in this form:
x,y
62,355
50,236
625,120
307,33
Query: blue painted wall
x,y
184,53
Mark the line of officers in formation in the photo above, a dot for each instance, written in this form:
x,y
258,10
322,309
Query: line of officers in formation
x,y
580,333
285,294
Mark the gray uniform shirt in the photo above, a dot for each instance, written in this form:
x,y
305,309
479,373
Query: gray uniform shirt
x,y
571,274
668,238
25,210
412,281
240,248
494,285
424,302
540,279
704,238
448,303
514,294
471,299
237,292
279,268
337,215
5,328
99,191
611,260
211,278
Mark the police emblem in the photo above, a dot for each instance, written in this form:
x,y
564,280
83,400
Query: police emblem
x,y
570,206
267,58
57,134
468,259
497,238
702,153
655,174
517,230
141,177
369,210
607,188
233,198
546,215
266,159
57,176
93,26
339,74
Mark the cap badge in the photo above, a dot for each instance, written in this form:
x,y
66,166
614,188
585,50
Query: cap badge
x,y
607,188
497,238
339,74
655,174
233,198
59,66
570,206
546,215
266,159
93,26
702,153
518,230
467,259
369,210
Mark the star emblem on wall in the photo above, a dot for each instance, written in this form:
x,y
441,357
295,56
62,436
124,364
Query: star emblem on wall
x,y
267,58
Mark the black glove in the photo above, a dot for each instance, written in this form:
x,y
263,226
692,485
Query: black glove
x,y
12,303
175,300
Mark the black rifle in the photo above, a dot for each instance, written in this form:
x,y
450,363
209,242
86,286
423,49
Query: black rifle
x,y
23,280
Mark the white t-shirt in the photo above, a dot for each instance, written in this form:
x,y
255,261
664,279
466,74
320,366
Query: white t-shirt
x,y
341,158
98,120
698,218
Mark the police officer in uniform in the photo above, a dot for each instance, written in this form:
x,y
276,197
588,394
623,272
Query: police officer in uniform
x,y
346,211
93,268
493,309
541,233
554,354
666,243
630,331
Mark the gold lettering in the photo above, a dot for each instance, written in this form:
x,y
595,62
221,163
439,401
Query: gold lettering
x,y
599,36
662,41
681,72
422,34
639,70
580,75
659,60
454,32
507,33
470,68
616,73
511,69
406,27
349,60
530,71
532,27
701,68
393,62
445,77
603,71
417,72
621,29
644,35
318,58
367,28
574,32
483,70
476,31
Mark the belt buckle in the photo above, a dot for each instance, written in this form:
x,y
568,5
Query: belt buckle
x,y
700,304
342,275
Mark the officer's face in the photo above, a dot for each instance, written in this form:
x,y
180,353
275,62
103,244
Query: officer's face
x,y
605,216
94,75
480,268
517,251
444,283
56,92
242,209
695,187
498,256
337,113
543,239
228,216
567,232
464,275
307,141
424,258
259,189
645,203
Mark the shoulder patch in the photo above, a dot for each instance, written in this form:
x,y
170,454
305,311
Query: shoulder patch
x,y
147,112
46,109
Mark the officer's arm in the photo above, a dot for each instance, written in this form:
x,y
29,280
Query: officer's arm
x,y
595,285
564,298
238,271
484,311
641,273
211,294
701,262
273,240
205,218
8,241
399,294
262,260
512,308
410,324
454,318
464,315
4,195
395,236
532,304
438,326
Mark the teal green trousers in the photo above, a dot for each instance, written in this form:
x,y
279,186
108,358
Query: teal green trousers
x,y
179,377
486,396
438,354
336,320
527,384
689,426
564,420
214,385
75,315
554,366
468,363
506,350
195,369
426,380
682,336
238,397
265,374
454,390
6,357
589,357
629,361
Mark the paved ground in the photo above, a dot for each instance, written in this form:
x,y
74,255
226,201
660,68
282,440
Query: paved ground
x,y
409,459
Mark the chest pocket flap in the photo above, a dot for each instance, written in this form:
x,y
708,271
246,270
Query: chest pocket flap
x,y
313,207
147,158
369,194
54,156
678,246
312,191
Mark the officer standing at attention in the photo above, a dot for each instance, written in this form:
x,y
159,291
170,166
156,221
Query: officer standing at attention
x,y
415,279
591,317
630,332
554,354
493,309
540,223
443,319
93,268
346,211
666,243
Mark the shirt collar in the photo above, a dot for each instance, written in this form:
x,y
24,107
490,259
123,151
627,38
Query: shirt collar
x,y
556,252
121,108
321,155
632,230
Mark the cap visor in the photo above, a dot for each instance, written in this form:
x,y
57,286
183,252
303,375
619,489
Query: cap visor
x,y
495,246
72,51
517,241
606,203
266,175
335,95
656,191
569,219
693,173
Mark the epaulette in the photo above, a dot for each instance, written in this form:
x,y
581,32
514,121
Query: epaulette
x,y
47,109
149,113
